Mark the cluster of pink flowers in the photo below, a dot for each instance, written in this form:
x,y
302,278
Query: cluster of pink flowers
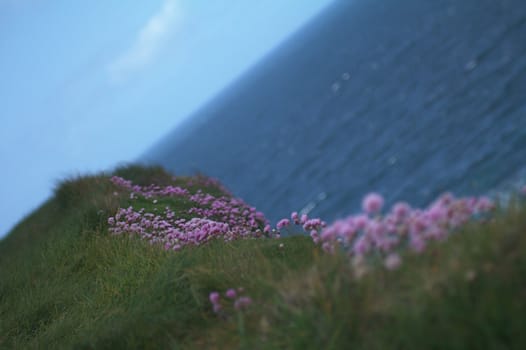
x,y
307,224
232,296
371,233
212,217
149,191
201,180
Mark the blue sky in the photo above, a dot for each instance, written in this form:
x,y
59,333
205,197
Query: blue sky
x,y
86,85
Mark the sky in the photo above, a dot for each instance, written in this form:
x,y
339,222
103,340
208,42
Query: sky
x,y
88,85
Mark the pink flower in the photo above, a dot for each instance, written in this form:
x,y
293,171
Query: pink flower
x,y
231,293
392,261
437,213
375,230
419,224
361,246
328,247
446,198
283,223
372,203
315,237
242,303
484,204
295,218
401,210
214,297
327,234
217,308
436,232
523,190
312,224
361,222
417,244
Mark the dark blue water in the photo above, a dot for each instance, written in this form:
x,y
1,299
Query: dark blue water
x,y
409,98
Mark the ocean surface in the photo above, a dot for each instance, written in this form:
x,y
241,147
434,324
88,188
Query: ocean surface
x,y
409,98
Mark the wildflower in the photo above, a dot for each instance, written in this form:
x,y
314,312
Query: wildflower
x,y
375,230
327,234
312,224
294,217
216,308
437,213
392,261
242,303
361,246
484,204
417,244
437,233
372,203
328,247
214,297
361,222
401,210
315,237
231,293
283,223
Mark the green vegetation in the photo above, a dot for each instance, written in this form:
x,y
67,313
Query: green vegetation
x,y
65,282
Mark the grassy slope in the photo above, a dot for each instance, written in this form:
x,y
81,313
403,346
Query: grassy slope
x,y
66,283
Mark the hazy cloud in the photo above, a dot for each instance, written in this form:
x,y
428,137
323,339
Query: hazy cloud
x,y
148,42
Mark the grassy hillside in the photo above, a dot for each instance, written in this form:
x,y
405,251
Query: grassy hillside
x,y
67,282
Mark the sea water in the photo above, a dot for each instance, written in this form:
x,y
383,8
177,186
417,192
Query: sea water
x,y
408,98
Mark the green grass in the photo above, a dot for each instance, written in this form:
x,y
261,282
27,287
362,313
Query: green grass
x,y
66,283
